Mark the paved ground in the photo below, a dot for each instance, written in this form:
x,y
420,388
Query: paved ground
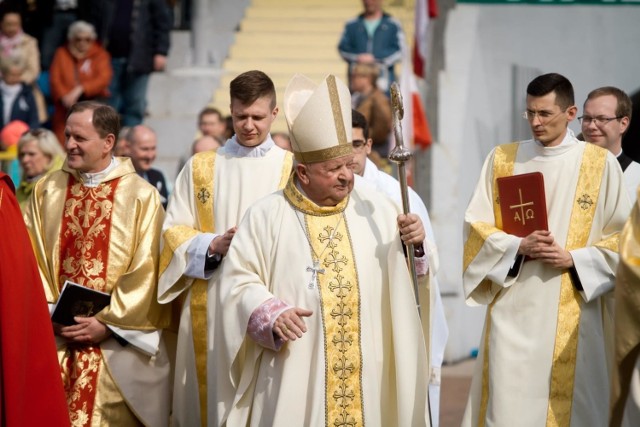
x,y
456,380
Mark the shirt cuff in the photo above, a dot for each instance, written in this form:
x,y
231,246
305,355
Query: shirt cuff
x,y
260,327
422,263
197,256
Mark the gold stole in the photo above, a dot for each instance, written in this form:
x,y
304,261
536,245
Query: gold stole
x,y
203,185
566,343
565,352
340,306
84,249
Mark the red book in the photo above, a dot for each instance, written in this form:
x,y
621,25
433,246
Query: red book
x,y
522,203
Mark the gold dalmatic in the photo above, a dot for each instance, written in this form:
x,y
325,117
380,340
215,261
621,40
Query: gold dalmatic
x,y
337,283
84,248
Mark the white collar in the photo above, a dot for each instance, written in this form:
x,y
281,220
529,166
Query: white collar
x,y
569,138
93,179
234,149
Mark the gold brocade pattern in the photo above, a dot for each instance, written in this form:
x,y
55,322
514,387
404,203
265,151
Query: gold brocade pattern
x,y
566,344
340,306
203,185
338,120
478,233
503,162
173,238
340,297
84,238
611,243
80,367
324,154
287,168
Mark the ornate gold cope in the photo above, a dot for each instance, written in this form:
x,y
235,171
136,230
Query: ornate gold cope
x,y
566,343
84,249
340,305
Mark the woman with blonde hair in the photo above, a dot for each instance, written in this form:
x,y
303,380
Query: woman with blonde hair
x,y
39,152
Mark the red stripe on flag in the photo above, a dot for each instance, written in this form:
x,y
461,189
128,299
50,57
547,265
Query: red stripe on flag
x,y
421,131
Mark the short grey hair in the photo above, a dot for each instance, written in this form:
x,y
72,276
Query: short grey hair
x,y
81,27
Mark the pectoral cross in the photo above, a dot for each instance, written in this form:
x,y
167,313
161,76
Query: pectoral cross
x,y
314,273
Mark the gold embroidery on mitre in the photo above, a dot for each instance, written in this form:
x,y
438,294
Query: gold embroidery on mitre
x,y
340,302
569,306
324,154
338,120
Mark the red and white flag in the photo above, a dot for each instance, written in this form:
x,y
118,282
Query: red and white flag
x,y
424,11
416,131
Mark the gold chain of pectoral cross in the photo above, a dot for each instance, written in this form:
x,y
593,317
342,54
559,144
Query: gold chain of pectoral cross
x,y
315,268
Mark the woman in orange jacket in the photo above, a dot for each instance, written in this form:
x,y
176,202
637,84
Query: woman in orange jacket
x,y
80,70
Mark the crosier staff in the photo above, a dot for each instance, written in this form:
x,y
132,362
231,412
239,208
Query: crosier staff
x,y
400,155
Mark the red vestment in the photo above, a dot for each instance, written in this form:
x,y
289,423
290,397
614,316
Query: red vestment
x,y
31,391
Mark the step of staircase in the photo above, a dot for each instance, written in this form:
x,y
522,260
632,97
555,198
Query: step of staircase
x,y
286,37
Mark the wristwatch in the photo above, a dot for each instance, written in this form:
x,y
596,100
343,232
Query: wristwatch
x,y
212,261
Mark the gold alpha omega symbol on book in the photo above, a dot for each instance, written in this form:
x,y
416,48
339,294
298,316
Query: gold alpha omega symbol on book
x,y
521,214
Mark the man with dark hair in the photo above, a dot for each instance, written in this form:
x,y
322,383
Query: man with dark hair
x,y
606,118
545,353
211,122
211,194
97,223
434,325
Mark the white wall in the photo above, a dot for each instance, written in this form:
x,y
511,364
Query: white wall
x,y
591,45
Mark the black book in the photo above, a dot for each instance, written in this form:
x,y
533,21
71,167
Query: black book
x,y
76,300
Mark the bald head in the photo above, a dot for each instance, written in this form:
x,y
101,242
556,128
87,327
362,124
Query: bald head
x,y
205,143
142,142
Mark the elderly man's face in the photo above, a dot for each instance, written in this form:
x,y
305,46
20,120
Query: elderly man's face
x,y
87,151
327,183
143,149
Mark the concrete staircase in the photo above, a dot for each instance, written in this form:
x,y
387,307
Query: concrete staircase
x,y
279,37
285,37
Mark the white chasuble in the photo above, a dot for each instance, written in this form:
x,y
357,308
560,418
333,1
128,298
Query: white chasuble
x,y
211,195
363,358
545,354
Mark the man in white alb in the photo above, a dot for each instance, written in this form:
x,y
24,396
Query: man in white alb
x,y
545,353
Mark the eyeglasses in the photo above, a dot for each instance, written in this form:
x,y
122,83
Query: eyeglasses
x,y
83,39
544,116
599,121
